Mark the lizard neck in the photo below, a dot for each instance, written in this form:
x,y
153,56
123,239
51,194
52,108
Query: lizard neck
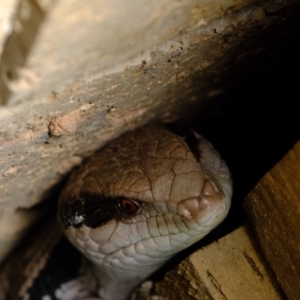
x,y
116,284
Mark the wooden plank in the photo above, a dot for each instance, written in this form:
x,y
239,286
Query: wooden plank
x,y
230,268
273,207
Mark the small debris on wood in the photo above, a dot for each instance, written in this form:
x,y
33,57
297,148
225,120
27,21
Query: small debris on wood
x,y
64,125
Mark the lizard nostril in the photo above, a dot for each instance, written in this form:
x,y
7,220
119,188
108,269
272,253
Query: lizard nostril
x,y
203,207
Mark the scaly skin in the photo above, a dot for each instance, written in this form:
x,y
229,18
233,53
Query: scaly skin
x,y
162,195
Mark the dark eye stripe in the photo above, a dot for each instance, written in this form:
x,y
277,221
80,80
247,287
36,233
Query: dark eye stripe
x,y
92,211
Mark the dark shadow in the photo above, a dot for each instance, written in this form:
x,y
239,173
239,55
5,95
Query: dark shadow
x,y
256,121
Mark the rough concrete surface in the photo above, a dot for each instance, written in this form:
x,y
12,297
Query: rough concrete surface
x,y
97,36
21,20
87,78
6,15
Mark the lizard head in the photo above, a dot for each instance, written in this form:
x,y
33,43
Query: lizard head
x,y
142,199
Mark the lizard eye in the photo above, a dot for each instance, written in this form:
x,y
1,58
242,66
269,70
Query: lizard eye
x,y
129,207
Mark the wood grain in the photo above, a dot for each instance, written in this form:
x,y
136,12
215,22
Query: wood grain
x,y
230,268
273,207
